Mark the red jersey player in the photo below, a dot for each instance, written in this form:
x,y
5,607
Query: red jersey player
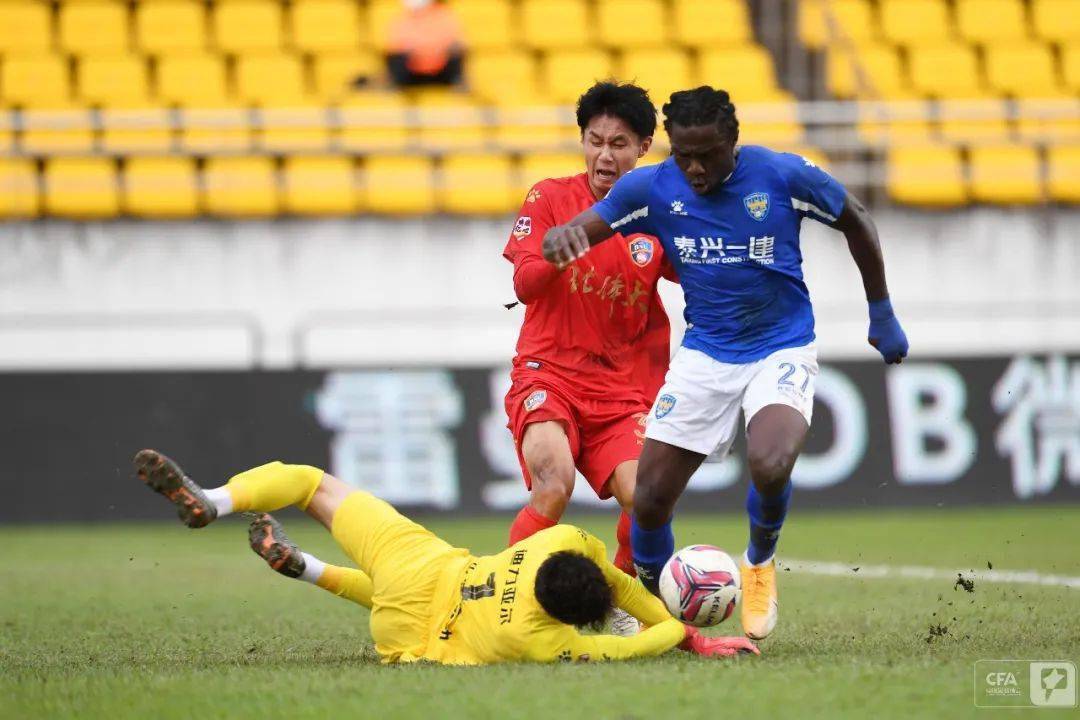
x,y
593,348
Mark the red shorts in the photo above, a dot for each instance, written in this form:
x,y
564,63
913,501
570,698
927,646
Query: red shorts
x,y
603,434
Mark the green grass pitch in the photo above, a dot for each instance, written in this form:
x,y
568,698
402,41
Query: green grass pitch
x,y
157,621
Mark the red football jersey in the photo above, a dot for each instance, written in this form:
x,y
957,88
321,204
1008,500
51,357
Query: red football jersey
x,y
598,325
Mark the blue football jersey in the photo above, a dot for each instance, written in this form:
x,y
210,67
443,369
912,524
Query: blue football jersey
x,y
736,248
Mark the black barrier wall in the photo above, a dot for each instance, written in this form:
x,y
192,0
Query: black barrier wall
x,y
948,432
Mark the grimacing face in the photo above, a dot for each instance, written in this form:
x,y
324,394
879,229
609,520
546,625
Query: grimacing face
x,y
704,154
612,149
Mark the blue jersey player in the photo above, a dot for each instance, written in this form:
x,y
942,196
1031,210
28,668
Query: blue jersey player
x,y
729,218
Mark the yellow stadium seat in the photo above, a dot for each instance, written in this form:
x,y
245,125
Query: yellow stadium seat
x,y
824,23
894,123
660,71
7,131
1056,20
82,188
380,16
568,73
1049,120
480,184
615,16
240,186
97,26
398,185
487,24
914,22
192,80
973,120
294,129
746,72
274,79
1005,174
551,24
18,188
35,81
374,121
319,185
775,124
1024,70
134,130
1062,173
335,73
449,121
991,21
25,28
502,77
1070,66
170,26
57,131
868,72
535,128
711,24
221,129
242,26
541,166
160,187
929,176
112,80
950,70
325,25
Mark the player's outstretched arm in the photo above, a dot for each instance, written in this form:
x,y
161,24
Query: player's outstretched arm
x,y
564,244
862,238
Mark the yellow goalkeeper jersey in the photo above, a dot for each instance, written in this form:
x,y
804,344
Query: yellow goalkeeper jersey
x,y
492,614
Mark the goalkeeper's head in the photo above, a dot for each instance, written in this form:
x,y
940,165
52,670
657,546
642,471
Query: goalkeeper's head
x,y
571,588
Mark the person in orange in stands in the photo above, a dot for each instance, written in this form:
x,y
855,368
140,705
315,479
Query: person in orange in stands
x,y
425,45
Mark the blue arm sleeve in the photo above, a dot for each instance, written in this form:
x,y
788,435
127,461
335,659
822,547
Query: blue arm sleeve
x,y
626,207
814,192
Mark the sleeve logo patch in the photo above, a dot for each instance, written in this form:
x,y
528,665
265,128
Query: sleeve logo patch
x,y
523,227
641,251
533,195
535,400
664,405
757,205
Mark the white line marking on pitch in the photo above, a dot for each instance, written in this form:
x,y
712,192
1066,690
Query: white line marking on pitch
x,y
814,567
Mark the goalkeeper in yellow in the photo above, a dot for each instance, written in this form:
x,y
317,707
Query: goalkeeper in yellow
x,y
432,601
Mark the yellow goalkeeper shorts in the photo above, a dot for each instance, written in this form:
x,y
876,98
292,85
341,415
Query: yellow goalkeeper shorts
x,y
406,562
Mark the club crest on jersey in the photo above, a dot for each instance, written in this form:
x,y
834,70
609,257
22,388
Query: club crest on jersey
x,y
664,405
641,251
757,205
523,227
535,400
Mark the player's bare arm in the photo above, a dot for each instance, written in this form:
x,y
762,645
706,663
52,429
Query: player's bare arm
x,y
858,227
564,244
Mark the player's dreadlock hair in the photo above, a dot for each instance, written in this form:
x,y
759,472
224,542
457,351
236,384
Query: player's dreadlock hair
x,y
702,106
628,102
571,588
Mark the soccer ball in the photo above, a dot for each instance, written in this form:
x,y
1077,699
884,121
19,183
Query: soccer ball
x,y
700,585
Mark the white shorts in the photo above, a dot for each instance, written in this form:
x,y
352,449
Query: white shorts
x,y
698,407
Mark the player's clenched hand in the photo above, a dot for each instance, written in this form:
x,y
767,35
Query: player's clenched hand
x,y
885,332
563,244
698,644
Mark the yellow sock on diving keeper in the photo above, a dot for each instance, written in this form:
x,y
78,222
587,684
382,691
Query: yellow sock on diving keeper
x,y
267,488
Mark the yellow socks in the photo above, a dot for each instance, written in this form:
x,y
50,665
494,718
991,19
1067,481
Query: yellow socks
x,y
347,583
273,486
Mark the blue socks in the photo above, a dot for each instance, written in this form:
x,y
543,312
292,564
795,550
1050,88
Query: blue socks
x,y
652,549
766,518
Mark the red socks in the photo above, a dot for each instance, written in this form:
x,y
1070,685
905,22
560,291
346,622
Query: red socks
x,y
529,522
624,556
